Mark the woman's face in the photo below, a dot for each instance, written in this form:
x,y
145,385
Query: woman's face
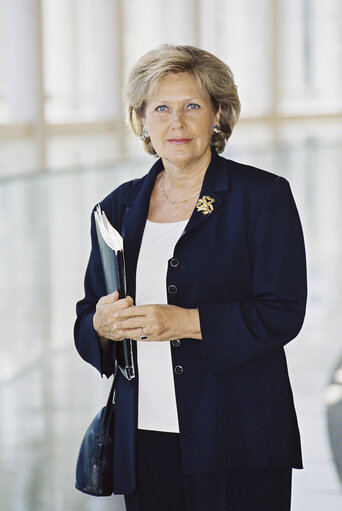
x,y
179,119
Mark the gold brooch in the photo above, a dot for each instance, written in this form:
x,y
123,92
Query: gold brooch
x,y
205,204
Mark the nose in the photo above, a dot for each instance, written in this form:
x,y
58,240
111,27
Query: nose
x,y
177,120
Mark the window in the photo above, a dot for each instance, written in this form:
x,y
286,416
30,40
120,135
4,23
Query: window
x,y
63,64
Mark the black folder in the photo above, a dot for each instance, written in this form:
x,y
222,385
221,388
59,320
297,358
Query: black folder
x,y
113,261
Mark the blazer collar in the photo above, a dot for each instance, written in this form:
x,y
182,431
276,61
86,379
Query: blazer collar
x,y
216,179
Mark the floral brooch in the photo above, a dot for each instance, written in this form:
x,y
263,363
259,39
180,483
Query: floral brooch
x,y
205,205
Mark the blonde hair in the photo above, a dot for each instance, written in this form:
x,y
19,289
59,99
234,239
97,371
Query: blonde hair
x,y
211,74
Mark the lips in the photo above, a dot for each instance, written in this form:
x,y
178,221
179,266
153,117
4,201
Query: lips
x,y
179,141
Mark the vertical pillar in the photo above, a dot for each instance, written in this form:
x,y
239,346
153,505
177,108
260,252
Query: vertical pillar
x,y
275,43
23,67
326,54
107,72
197,22
183,25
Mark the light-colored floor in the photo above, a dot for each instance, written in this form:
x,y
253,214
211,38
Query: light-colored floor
x,y
48,395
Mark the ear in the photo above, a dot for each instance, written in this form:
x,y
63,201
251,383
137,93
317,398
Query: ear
x,y
218,115
142,116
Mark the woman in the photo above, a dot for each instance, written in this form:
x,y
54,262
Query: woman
x,y
216,280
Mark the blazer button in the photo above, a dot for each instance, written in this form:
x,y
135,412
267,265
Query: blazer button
x,y
179,370
176,343
174,262
172,289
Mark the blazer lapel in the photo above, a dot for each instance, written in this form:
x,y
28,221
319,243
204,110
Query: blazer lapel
x,y
215,180
137,201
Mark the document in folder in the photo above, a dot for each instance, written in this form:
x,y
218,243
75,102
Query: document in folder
x,y
112,256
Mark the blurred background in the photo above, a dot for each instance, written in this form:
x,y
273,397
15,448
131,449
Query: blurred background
x,y
64,146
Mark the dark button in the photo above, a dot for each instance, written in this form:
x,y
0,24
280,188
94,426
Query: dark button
x,y
179,369
174,262
172,289
176,343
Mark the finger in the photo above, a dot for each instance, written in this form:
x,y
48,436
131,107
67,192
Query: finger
x,y
114,336
135,334
128,301
111,298
122,304
131,311
128,323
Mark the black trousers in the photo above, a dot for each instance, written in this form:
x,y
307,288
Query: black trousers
x,y
163,487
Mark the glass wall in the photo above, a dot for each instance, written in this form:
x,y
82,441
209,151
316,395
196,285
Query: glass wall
x,y
63,64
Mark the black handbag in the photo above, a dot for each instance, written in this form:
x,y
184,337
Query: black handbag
x,y
94,467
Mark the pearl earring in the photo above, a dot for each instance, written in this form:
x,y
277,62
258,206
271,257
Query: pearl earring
x,y
217,129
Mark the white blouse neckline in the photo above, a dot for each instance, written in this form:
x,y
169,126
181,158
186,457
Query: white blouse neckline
x,y
167,223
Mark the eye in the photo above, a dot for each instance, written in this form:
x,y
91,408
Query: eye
x,y
193,106
161,108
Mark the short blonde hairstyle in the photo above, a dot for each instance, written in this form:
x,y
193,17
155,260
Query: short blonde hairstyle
x,y
211,74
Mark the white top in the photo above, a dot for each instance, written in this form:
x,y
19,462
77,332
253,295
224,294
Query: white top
x,y
157,408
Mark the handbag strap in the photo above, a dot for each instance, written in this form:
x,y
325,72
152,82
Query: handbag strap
x,y
111,395
108,410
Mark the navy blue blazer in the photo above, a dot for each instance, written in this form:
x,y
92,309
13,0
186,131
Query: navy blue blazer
x,y
243,266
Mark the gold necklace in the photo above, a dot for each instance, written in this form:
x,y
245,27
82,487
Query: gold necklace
x,y
175,201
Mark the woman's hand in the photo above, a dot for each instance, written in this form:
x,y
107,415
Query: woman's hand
x,y
103,320
158,322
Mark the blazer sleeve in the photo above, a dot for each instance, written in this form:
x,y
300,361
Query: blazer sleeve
x,y
86,340
237,332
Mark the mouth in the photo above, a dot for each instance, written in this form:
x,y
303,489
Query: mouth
x,y
179,141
